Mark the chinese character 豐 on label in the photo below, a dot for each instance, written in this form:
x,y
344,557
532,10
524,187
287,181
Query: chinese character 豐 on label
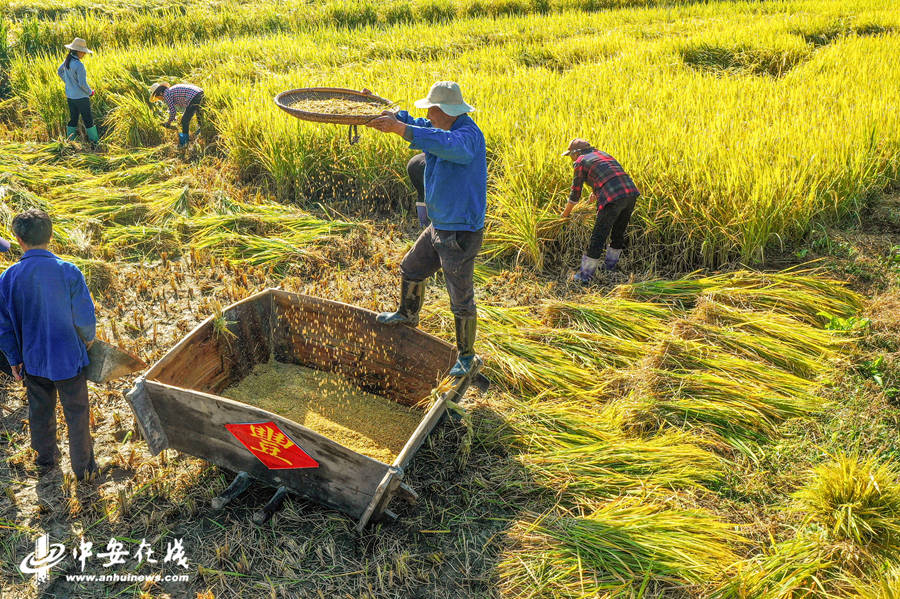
x,y
271,442
272,446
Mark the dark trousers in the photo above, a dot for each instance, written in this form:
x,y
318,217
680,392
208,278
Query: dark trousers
x,y
193,108
415,168
611,221
452,251
81,106
73,395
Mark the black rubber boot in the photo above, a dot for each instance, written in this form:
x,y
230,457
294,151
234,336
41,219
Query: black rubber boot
x,y
466,329
412,296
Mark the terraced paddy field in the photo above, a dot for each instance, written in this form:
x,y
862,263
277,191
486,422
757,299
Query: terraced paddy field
x,y
718,419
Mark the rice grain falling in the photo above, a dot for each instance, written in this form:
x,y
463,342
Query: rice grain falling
x,y
329,404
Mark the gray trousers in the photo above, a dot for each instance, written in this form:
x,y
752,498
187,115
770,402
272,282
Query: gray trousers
x,y
73,395
452,251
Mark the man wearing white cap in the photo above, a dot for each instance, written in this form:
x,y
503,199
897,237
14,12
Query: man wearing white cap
x,y
78,92
456,199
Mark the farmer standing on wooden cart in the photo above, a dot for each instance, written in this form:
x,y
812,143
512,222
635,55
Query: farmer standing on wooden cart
x,y
456,198
615,194
184,96
47,322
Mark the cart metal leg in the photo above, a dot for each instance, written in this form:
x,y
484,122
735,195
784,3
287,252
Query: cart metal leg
x,y
237,486
264,515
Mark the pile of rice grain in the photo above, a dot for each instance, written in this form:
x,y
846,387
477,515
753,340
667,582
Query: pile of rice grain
x,y
329,404
339,106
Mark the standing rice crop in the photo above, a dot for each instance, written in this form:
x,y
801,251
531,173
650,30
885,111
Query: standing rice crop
x,y
722,178
133,123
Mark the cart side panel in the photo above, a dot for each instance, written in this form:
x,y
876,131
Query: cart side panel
x,y
195,423
400,363
209,361
150,427
389,486
432,417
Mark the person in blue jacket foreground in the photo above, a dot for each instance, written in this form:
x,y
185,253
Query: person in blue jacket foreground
x,y
47,323
4,364
78,92
456,199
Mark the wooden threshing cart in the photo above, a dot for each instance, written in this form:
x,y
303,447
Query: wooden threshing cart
x,y
177,406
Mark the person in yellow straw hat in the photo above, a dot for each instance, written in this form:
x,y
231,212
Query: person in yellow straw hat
x,y
78,92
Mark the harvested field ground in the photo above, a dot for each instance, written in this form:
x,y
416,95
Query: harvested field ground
x,y
480,482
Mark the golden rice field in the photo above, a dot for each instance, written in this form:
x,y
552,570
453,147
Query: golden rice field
x,y
790,104
717,421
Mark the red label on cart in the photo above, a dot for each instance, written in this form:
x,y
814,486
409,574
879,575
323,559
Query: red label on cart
x,y
271,445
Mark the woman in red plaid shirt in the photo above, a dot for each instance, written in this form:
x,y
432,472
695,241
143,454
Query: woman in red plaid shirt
x,y
615,194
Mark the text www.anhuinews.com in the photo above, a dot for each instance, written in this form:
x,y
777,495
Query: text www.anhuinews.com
x,y
126,578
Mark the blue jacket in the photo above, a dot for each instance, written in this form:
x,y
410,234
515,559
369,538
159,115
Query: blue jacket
x,y
75,78
455,172
46,316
